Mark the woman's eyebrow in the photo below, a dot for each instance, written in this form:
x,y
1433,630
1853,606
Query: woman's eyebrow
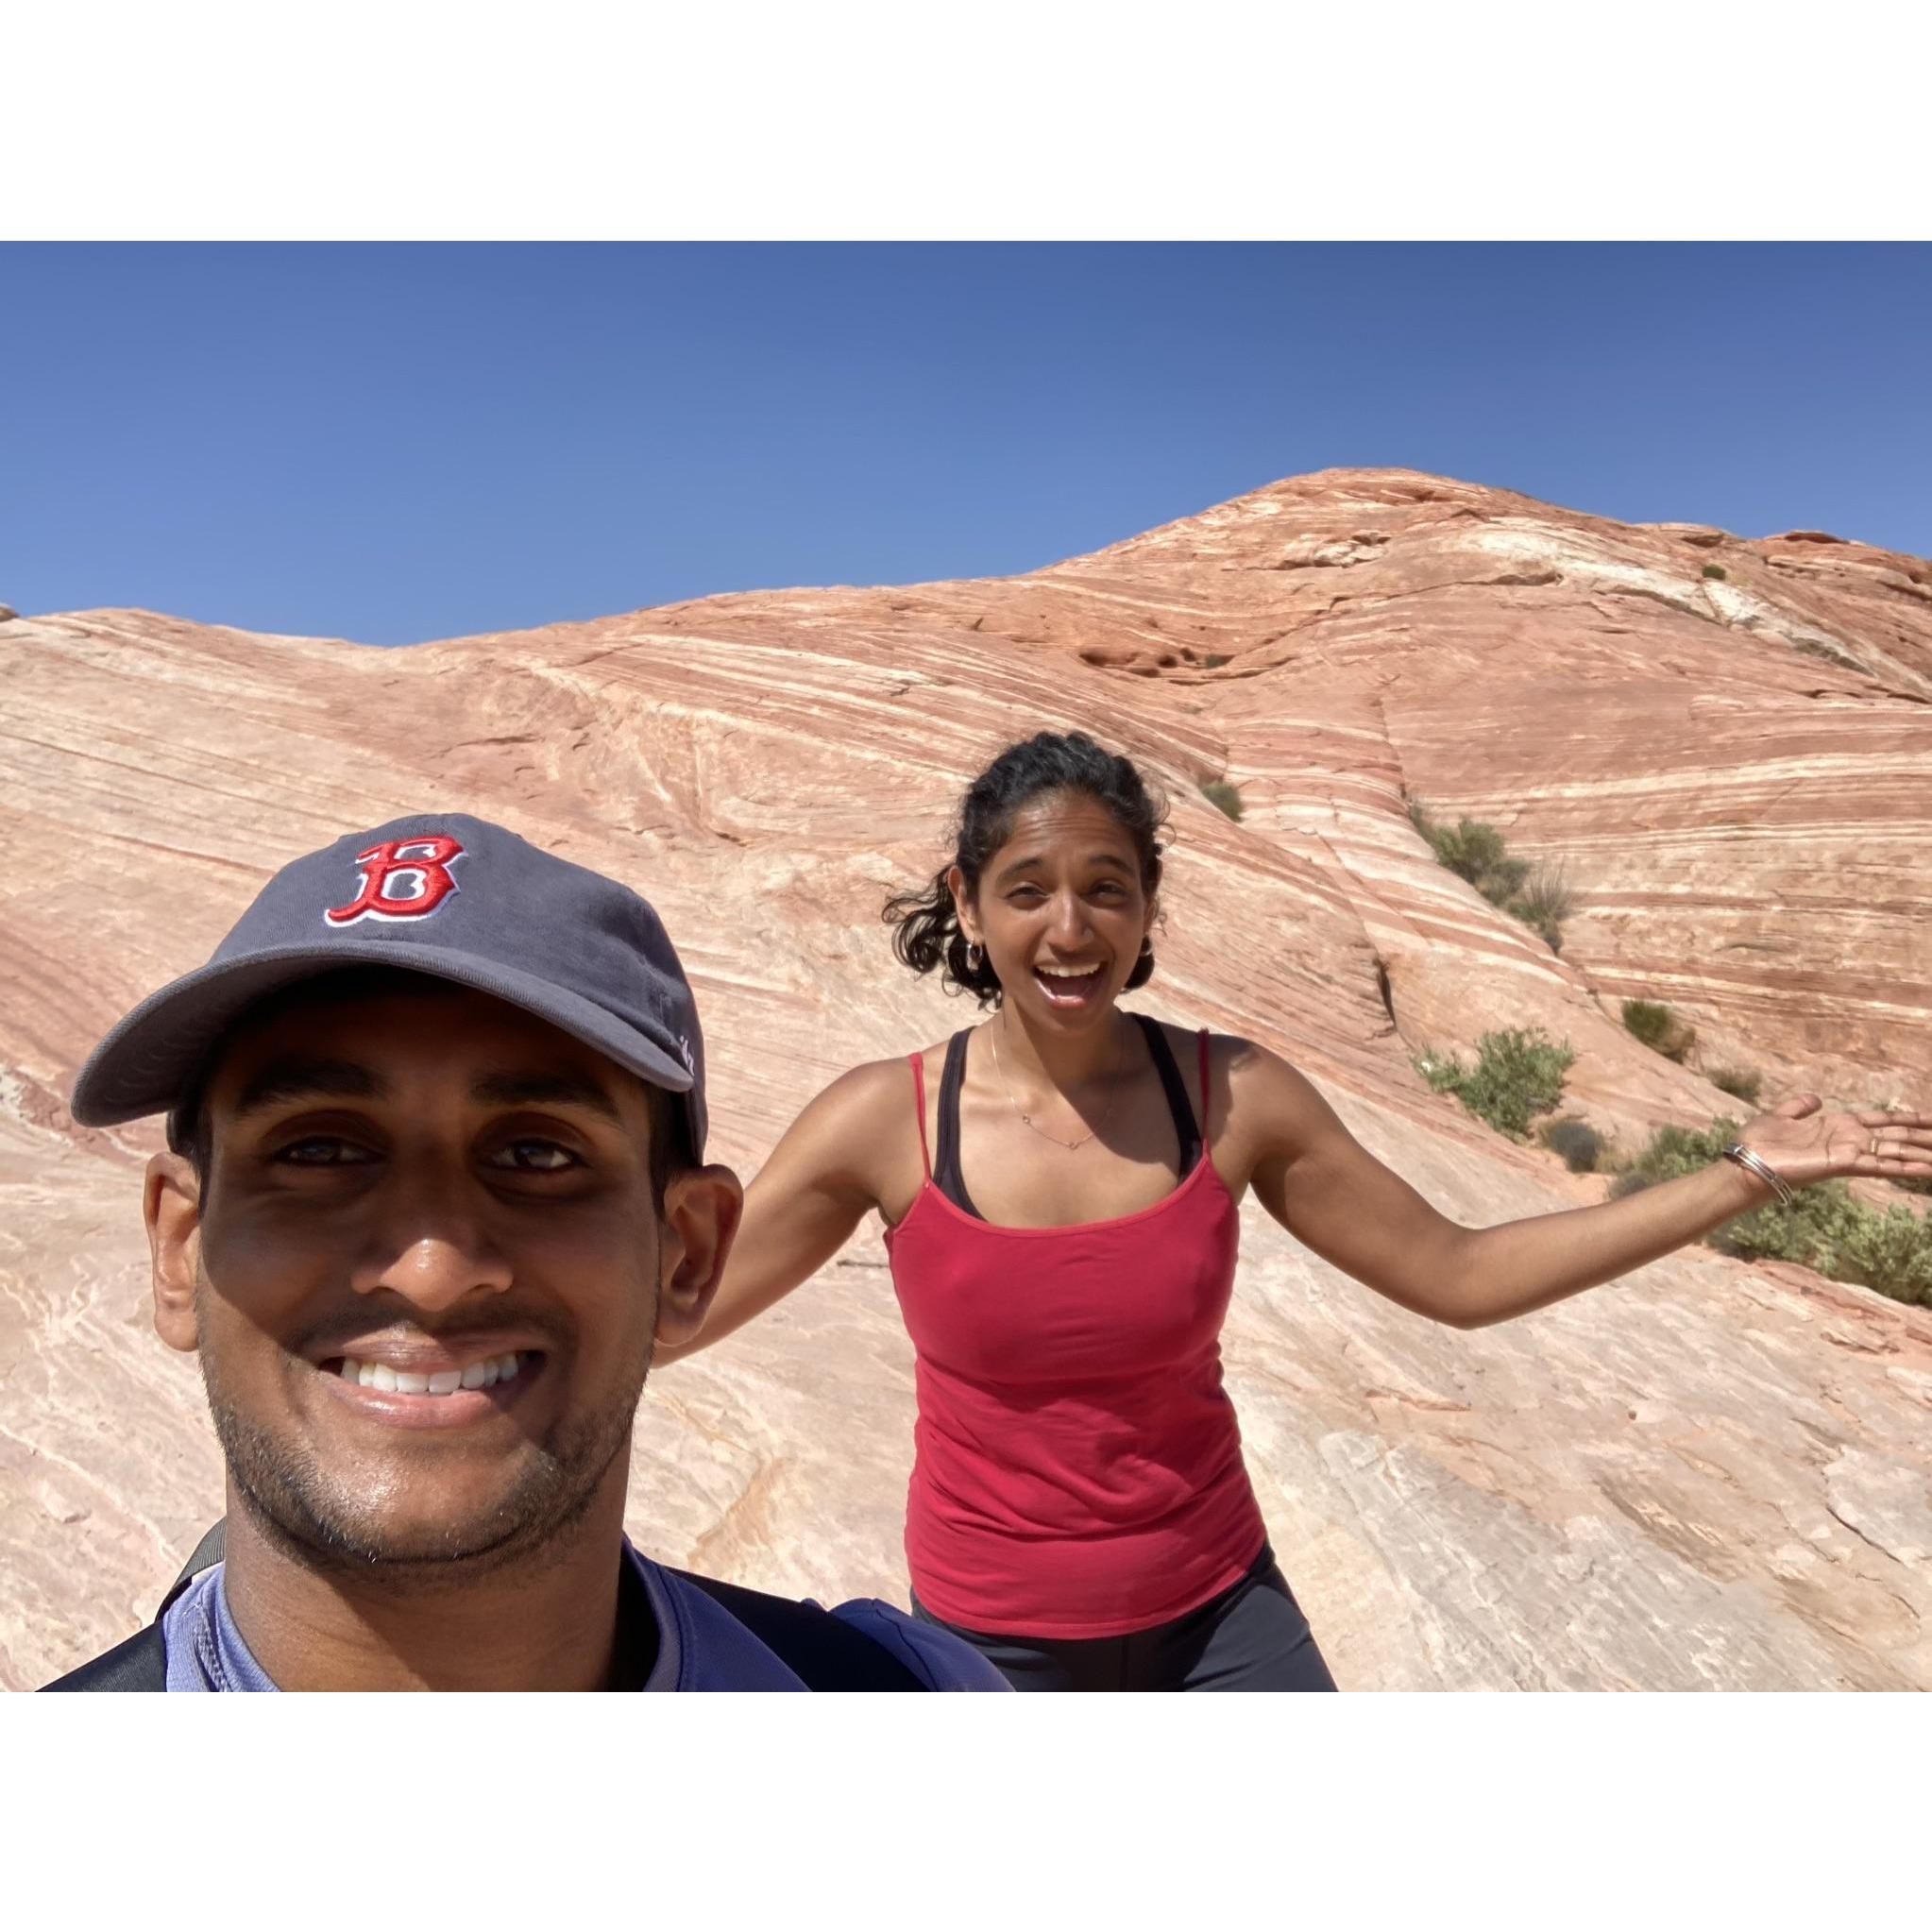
x,y
546,1089
1009,872
295,1076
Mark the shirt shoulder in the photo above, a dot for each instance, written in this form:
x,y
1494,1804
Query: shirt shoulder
x,y
703,1645
937,1659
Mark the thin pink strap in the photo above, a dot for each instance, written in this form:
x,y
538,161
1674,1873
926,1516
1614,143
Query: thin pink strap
x,y
919,1101
1204,1089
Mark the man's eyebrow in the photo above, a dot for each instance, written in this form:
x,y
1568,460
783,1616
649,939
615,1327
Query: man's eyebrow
x,y
294,1076
510,1089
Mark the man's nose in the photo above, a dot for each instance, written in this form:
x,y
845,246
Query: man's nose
x,y
433,1251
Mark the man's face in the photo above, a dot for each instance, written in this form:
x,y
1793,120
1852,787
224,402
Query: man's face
x,y
437,1189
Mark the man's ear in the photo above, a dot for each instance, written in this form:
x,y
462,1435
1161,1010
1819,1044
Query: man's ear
x,y
962,905
702,1208
172,1203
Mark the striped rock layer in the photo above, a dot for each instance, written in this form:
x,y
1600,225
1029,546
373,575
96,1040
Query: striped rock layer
x,y
1708,1474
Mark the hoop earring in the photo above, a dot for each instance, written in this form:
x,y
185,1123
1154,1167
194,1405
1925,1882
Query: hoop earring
x,y
1148,947
976,958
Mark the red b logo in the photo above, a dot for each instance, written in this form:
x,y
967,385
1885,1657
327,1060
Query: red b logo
x,y
406,878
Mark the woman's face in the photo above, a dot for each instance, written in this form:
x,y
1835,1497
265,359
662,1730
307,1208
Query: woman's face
x,y
1061,911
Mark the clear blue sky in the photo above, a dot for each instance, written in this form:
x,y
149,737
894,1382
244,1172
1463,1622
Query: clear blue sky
x,y
398,443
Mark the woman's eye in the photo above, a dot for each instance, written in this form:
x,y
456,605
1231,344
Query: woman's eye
x,y
533,1157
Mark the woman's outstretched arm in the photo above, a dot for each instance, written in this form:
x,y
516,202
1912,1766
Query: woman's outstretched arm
x,y
1315,1179
823,1177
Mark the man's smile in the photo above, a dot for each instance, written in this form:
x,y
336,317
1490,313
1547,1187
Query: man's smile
x,y
441,1381
418,1383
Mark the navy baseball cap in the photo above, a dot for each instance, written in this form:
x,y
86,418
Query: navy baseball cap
x,y
440,893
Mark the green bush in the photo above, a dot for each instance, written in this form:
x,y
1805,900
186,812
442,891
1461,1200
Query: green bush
x,y
1739,1082
1716,570
1580,1144
1659,1028
1217,791
1673,1151
1476,852
1545,902
1539,895
1517,1075
1826,1227
1215,659
1891,1252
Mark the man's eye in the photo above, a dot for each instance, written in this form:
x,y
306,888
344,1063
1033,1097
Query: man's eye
x,y
323,1150
533,1157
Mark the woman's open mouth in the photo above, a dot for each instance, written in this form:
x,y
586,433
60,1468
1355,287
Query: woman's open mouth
x,y
1066,986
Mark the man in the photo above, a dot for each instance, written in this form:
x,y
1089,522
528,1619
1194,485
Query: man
x,y
436,1121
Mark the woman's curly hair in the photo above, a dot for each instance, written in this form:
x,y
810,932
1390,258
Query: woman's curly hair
x,y
928,936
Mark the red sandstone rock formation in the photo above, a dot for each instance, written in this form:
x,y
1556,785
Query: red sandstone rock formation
x,y
1709,1474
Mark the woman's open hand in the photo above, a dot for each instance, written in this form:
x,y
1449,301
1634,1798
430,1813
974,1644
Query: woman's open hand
x,y
1802,1142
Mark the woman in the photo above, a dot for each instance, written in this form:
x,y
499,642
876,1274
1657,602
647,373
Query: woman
x,y
1060,1187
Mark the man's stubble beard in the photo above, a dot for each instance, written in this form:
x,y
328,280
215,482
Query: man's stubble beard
x,y
289,1496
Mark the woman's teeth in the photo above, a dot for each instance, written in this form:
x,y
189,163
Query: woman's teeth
x,y
445,1382
1062,981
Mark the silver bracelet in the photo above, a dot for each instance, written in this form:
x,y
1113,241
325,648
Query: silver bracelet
x,y
1744,1158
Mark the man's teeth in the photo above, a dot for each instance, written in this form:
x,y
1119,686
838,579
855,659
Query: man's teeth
x,y
445,1382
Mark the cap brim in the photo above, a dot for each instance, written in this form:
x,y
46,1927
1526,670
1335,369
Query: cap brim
x,y
145,1064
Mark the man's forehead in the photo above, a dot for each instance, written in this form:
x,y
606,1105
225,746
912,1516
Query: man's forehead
x,y
368,1046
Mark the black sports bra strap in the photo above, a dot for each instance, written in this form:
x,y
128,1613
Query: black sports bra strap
x,y
946,1175
1185,1129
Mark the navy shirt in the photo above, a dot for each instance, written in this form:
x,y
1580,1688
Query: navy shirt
x,y
701,1644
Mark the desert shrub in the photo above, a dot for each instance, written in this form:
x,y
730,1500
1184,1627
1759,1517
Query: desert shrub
x,y
1215,659
1891,1252
1477,852
1830,1229
1659,1028
1544,903
1673,1151
1580,1144
1517,1075
1217,791
1716,570
1741,1084
1826,1227
1539,895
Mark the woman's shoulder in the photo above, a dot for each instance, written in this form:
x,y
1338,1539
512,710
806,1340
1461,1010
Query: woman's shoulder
x,y
1248,1083
878,1086
854,1133
1228,1053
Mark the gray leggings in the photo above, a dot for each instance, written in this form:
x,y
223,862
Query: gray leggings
x,y
1252,1636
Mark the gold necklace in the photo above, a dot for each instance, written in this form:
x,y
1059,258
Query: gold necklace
x,y
1026,1119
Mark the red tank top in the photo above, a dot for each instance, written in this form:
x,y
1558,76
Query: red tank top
x,y
1078,1467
